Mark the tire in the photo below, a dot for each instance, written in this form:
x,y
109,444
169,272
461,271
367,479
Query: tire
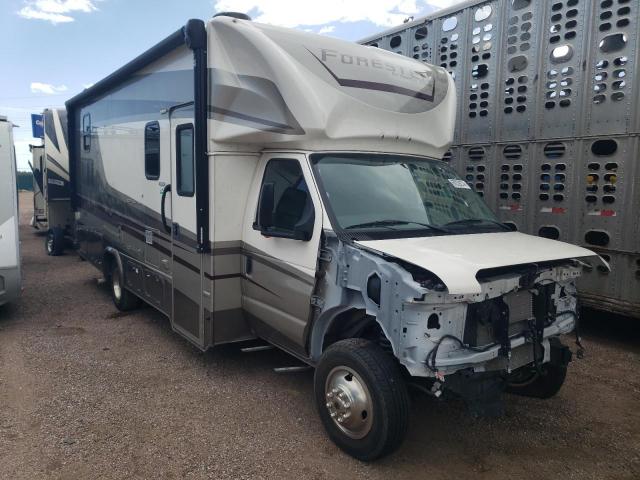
x,y
123,299
528,383
54,242
357,371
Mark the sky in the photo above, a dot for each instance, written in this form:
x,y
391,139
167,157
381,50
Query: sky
x,y
52,49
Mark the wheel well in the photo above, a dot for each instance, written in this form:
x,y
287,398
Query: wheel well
x,y
354,323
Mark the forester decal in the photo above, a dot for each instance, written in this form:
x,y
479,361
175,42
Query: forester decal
x,y
402,77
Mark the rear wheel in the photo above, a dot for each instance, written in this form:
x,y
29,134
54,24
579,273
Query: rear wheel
x,y
122,298
362,399
54,243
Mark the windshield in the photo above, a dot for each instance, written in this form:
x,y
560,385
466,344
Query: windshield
x,y
369,192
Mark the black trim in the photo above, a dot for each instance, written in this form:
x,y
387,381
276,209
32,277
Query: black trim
x,y
186,264
196,39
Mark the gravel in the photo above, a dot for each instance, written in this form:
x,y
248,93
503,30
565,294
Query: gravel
x,y
88,392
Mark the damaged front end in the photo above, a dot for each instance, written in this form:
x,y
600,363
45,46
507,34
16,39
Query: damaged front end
x,y
470,344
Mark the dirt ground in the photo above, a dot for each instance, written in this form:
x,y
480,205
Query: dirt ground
x,y
89,393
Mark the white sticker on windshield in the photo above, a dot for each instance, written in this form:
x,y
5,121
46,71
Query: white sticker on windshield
x,y
456,182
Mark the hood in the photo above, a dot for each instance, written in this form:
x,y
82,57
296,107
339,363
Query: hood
x,y
456,259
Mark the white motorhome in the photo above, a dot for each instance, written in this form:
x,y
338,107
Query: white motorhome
x,y
10,278
51,193
251,181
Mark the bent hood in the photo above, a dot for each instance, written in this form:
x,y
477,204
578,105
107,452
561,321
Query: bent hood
x,y
457,259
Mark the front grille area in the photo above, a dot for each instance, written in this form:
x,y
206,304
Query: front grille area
x,y
520,306
486,321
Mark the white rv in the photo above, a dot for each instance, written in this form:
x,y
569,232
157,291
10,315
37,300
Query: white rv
x,y
51,191
251,181
10,279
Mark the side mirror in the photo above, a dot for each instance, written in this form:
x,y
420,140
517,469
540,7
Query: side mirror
x,y
265,222
265,207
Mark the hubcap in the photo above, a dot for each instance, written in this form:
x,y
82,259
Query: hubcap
x,y
50,244
117,290
349,402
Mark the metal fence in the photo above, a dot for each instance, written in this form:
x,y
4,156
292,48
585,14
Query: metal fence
x,y
548,124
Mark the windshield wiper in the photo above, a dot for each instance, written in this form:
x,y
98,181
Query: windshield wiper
x,y
391,223
473,221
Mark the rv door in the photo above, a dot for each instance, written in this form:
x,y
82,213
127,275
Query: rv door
x,y
187,312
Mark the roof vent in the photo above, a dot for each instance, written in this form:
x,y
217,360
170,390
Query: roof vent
x,y
241,16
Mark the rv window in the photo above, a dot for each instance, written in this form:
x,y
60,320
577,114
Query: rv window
x,y
291,201
86,132
152,150
184,159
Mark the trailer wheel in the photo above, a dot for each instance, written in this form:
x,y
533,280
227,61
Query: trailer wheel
x,y
123,299
362,399
54,243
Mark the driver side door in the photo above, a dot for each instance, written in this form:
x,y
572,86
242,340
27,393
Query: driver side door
x,y
279,273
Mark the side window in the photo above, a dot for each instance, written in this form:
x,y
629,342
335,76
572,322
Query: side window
x,y
86,132
185,160
292,205
152,150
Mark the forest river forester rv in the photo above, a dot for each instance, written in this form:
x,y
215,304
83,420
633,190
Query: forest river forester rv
x,y
250,181
10,278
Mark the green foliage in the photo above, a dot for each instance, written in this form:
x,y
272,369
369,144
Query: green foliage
x,y
25,180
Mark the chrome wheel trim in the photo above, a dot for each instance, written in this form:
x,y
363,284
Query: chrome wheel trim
x,y
50,244
349,402
115,285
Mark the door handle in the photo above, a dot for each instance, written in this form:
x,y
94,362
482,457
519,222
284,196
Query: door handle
x,y
165,190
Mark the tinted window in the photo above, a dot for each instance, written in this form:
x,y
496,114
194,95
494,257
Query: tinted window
x,y
86,132
291,203
152,150
185,160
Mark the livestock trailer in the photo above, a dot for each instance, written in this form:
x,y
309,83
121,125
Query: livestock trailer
x,y
10,278
250,181
547,122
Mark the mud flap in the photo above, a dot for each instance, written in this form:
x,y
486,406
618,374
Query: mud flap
x,y
482,392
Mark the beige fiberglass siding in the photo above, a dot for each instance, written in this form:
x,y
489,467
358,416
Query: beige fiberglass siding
x,y
547,131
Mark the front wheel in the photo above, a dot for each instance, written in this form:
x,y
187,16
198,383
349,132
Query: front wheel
x,y
54,243
362,399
